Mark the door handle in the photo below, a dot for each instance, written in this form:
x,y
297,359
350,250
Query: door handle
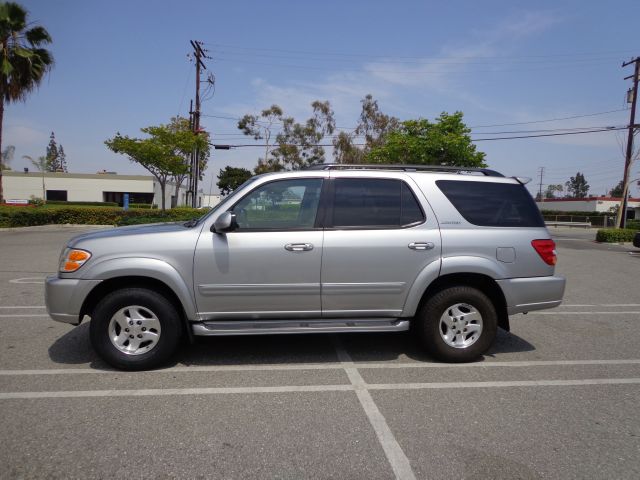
x,y
298,247
421,245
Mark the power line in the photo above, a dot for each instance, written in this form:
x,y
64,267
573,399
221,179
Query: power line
x,y
551,119
248,145
223,117
369,55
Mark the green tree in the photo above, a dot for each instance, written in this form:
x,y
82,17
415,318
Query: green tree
x,y
577,186
231,178
617,191
52,154
373,125
295,146
23,60
446,141
262,128
42,165
178,134
62,159
7,156
164,153
551,190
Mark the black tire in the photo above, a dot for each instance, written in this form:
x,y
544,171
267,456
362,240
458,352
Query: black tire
x,y
150,300
427,325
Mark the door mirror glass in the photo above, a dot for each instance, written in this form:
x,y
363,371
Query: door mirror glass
x,y
226,222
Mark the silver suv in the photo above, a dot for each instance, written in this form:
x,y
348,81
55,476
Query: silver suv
x,y
447,252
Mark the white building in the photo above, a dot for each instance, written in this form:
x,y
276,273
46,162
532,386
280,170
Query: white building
x,y
591,204
99,187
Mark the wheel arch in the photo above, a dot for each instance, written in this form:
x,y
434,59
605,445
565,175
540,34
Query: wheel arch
x,y
484,283
118,283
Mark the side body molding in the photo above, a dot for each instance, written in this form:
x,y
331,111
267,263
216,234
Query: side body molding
x,y
147,267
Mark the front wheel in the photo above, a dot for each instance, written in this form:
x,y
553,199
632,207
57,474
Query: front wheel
x,y
135,329
458,324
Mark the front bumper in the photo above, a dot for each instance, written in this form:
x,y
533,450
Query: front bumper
x,y
64,297
533,293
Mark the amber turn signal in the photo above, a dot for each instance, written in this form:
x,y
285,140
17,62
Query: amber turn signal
x,y
73,260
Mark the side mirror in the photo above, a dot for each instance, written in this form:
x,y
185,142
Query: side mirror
x,y
226,222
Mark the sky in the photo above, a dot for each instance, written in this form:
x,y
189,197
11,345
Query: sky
x,y
509,66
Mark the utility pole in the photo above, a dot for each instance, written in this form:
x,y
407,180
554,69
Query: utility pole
x,y
540,192
194,173
622,214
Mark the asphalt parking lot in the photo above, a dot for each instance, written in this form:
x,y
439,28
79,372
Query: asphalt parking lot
x,y
555,398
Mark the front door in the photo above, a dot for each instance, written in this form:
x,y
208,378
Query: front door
x,y
269,267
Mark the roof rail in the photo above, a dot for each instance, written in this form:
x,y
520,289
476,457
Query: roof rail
x,y
405,168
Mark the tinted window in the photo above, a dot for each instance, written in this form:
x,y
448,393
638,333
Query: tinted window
x,y
492,204
280,205
361,202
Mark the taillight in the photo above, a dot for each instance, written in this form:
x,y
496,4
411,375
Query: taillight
x,y
546,249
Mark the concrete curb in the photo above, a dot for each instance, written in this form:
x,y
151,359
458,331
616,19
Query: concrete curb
x,y
44,228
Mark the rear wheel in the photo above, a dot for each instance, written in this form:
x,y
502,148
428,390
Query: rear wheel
x,y
458,324
135,329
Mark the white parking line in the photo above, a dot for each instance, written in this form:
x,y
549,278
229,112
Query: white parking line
x,y
392,449
325,366
28,280
23,308
585,313
24,315
154,392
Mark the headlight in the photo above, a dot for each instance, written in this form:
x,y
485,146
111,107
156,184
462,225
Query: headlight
x,y
72,259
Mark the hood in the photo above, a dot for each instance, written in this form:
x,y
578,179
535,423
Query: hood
x,y
130,231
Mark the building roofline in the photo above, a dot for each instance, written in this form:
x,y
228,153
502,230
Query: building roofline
x,y
589,199
102,176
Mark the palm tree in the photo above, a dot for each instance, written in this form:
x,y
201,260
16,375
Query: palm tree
x,y
42,164
7,156
23,61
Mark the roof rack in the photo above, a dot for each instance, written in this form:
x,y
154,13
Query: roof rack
x,y
406,168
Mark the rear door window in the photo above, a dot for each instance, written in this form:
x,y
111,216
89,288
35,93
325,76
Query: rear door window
x,y
490,204
374,203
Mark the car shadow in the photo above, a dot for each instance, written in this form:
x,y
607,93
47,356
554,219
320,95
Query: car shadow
x,y
74,348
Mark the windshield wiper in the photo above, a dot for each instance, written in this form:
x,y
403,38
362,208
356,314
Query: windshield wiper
x,y
192,223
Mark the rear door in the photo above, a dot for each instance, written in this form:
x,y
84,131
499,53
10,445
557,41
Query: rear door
x,y
379,235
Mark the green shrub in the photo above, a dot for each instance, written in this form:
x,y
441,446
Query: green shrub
x,y
633,224
142,205
24,217
614,235
88,204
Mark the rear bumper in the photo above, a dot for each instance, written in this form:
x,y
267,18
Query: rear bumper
x,y
534,293
64,297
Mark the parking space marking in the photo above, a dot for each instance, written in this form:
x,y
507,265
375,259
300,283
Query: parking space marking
x,y
585,313
326,366
378,420
156,392
22,308
504,384
395,455
603,305
23,315
37,280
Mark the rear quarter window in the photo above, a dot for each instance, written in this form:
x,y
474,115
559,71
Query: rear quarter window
x,y
492,204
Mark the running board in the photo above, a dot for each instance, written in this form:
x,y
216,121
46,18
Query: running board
x,y
267,327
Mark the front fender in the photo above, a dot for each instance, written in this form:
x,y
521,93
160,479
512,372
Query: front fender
x,y
145,267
